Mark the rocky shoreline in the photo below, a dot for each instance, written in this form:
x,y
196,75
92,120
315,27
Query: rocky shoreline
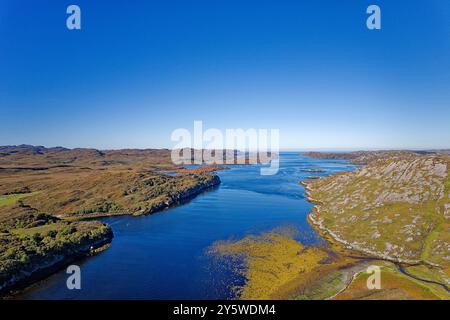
x,y
392,210
48,219
361,198
46,266
186,195
315,220
172,200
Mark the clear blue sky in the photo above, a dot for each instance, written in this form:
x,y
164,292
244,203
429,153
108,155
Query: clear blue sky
x,y
140,69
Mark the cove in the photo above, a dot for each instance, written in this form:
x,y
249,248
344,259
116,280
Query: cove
x,y
163,256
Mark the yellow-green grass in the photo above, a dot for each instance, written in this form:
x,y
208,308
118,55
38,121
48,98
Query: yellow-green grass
x,y
428,273
13,198
394,286
428,244
330,285
107,192
42,230
272,260
350,205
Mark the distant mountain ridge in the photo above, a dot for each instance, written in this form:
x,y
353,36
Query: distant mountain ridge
x,y
365,157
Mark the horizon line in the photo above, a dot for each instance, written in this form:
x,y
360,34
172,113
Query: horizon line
x,y
299,149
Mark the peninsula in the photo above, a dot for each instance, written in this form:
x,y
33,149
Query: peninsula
x,y
395,208
49,196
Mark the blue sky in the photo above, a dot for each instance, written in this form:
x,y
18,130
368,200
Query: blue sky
x,y
137,70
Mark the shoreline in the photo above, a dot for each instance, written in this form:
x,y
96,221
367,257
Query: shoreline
x,y
180,199
368,254
48,268
318,225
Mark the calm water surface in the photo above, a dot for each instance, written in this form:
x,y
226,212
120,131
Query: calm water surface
x,y
163,256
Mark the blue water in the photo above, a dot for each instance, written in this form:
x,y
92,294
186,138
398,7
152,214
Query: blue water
x,y
164,256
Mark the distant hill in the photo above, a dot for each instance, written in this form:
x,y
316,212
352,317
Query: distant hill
x,y
365,157
26,156
79,181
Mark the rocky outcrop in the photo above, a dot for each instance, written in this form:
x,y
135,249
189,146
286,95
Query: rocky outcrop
x,y
185,195
395,209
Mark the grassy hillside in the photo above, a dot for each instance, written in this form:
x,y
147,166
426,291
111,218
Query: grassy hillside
x,y
395,286
33,243
112,191
396,208
40,158
46,192
86,182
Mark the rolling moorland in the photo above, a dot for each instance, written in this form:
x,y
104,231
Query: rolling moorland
x,y
48,197
392,211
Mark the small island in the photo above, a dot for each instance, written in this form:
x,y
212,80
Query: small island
x,y
313,170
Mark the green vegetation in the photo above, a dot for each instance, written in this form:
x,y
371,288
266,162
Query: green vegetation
x,y
10,199
325,289
394,286
32,242
394,208
108,191
46,194
272,261
89,182
107,206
